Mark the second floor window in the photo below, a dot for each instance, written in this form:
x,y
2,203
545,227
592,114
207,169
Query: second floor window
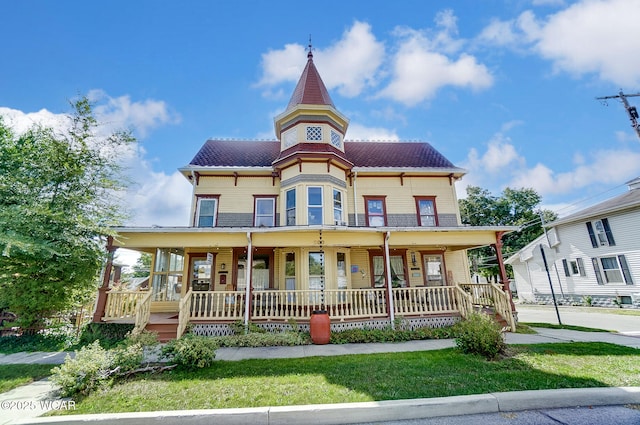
x,y
427,215
338,215
314,205
265,212
600,233
375,211
206,213
291,207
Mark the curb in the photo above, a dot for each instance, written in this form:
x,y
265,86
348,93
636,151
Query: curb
x,y
388,410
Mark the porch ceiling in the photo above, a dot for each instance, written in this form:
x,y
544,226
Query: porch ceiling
x,y
451,238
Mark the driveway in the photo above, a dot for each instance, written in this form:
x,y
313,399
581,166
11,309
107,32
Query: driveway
x,y
590,317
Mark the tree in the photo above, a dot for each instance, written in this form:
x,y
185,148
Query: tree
x,y
515,207
58,199
142,267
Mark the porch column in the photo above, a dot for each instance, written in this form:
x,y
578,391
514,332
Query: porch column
x,y
247,291
504,278
387,265
101,302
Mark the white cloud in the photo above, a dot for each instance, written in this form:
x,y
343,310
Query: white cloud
x,y
500,166
121,112
347,66
421,66
155,197
600,37
360,132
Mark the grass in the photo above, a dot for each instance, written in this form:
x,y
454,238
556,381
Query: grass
x,y
370,377
554,326
15,375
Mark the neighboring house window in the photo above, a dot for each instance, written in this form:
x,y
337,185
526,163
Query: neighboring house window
x,y
291,207
265,211
338,215
206,212
314,205
574,267
375,211
612,269
314,133
427,215
600,233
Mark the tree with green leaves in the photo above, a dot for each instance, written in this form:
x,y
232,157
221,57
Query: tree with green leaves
x,y
142,267
59,197
514,207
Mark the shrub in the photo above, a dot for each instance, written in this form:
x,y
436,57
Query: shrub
x,y
264,339
480,334
191,351
109,334
55,338
93,367
238,328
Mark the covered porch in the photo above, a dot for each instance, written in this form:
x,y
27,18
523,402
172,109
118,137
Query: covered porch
x,y
358,275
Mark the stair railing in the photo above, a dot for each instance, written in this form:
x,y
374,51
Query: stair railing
x,y
183,316
143,312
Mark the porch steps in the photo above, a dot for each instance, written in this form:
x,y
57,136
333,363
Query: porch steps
x,y
165,325
491,312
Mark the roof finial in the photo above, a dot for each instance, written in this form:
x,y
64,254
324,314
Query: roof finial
x,y
310,54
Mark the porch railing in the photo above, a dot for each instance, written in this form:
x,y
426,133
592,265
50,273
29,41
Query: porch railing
x,y
122,305
423,300
491,295
143,312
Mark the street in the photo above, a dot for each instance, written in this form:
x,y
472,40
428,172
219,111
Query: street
x,y
590,317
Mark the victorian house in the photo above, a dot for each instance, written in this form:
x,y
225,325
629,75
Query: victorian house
x,y
368,231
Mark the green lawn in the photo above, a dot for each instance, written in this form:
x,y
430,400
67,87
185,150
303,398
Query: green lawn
x,y
14,375
355,378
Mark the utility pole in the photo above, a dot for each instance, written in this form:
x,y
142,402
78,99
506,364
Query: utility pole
x,y
631,110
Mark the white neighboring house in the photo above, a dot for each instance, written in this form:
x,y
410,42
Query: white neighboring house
x,y
594,252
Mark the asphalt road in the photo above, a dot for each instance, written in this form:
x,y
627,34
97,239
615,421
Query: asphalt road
x,y
591,317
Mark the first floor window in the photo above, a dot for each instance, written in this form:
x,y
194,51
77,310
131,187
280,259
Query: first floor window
x,y
167,275
375,211
573,267
316,277
291,207
265,211
612,269
314,205
379,277
206,213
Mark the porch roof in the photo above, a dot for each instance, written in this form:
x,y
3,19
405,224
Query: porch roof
x,y
451,238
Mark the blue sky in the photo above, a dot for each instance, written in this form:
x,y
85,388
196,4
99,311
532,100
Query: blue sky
x,y
505,89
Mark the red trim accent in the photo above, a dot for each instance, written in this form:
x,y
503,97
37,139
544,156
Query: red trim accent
x,y
424,271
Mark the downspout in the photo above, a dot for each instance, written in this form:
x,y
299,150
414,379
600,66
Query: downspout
x,y
355,198
387,264
247,295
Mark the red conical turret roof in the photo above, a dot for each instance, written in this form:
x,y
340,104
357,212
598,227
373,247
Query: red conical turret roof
x,y
310,89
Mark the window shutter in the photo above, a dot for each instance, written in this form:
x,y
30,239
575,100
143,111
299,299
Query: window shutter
x,y
583,272
607,231
596,268
625,270
592,236
566,267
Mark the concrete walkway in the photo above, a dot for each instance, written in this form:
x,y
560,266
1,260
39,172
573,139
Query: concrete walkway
x,y
24,405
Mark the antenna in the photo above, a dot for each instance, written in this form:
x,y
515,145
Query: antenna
x,y
631,110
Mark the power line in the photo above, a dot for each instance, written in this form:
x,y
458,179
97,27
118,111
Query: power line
x,y
631,110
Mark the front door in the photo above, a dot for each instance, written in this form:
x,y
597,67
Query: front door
x,y
434,269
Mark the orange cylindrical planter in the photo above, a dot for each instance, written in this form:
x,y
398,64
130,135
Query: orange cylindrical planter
x,y
320,325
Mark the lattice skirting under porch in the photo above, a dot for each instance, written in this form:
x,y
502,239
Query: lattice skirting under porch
x,y
222,329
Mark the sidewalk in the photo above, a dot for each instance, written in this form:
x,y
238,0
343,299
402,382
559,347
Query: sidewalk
x,y
33,394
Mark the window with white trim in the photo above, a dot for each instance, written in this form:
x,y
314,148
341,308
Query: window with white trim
x,y
290,200
314,133
338,214
314,205
265,212
206,212
574,267
613,269
600,233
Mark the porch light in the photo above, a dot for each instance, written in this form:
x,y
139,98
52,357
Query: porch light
x,y
223,266
413,258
